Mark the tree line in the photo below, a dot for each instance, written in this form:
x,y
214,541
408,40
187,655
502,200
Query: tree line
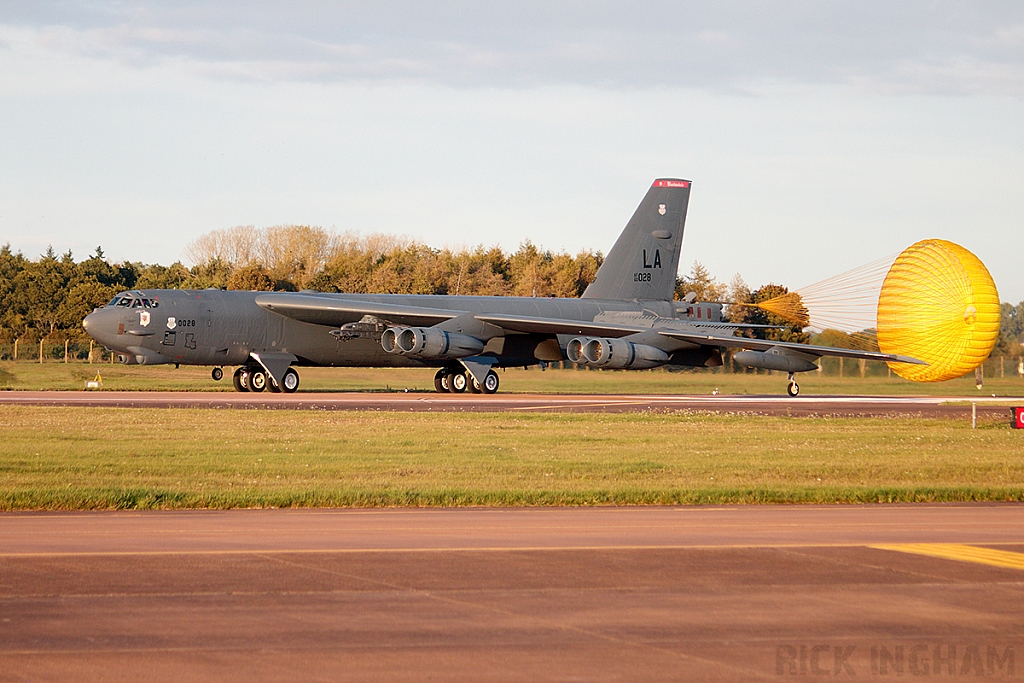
x,y
47,298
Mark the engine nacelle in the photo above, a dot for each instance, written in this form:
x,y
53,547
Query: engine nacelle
x,y
614,353
774,360
429,342
574,349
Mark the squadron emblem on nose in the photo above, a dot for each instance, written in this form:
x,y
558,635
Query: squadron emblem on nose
x,y
171,323
144,318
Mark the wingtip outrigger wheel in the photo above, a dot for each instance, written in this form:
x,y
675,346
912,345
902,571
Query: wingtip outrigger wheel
x,y
793,389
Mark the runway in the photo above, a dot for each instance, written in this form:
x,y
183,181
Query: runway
x,y
924,406
602,594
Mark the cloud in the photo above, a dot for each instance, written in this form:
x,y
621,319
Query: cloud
x,y
910,47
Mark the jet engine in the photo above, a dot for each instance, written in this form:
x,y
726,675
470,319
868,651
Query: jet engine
x,y
429,342
614,353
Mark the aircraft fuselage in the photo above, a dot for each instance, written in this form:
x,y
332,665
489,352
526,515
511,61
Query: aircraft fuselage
x,y
214,327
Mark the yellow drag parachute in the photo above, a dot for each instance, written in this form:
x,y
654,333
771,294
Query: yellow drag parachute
x,y
938,304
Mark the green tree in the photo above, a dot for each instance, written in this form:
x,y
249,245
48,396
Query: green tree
x,y
1011,330
175,276
702,283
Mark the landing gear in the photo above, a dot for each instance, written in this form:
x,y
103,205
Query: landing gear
x,y
254,378
241,379
258,380
290,381
457,382
490,383
793,389
441,381
217,374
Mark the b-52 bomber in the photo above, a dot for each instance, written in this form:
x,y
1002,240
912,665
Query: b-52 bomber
x,y
625,319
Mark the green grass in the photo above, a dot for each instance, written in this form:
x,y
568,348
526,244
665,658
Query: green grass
x,y
24,375
74,458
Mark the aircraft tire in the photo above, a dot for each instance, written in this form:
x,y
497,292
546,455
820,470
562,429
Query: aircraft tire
x,y
474,386
457,382
217,374
490,384
439,385
793,389
240,380
290,381
257,380
273,386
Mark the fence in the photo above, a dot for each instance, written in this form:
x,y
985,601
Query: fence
x,y
66,351
76,351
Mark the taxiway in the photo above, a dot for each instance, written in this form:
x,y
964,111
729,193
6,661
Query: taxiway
x,y
924,406
601,594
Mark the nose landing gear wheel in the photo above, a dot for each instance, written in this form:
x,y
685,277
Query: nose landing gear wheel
x,y
240,380
490,384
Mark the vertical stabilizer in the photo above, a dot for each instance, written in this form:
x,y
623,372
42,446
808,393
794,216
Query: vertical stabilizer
x,y
645,259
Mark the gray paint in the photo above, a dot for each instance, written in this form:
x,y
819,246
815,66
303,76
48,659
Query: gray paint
x,y
645,259
630,298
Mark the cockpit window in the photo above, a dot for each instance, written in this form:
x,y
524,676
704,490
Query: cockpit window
x,y
137,303
150,303
124,303
113,302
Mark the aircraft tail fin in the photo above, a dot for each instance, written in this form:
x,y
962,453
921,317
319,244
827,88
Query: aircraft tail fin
x,y
645,259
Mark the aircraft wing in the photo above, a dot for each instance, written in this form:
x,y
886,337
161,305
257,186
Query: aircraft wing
x,y
766,344
535,325
717,334
327,310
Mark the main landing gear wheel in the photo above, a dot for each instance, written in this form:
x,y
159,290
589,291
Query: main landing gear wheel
x,y
257,380
290,381
439,381
473,386
217,374
793,389
457,382
241,379
490,384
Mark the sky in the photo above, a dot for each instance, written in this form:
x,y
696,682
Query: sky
x,y
819,135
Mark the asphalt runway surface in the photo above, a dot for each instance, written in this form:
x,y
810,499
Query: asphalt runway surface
x,y
553,594
924,406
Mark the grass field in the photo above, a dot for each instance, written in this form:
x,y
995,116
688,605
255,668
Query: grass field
x,y
72,458
61,377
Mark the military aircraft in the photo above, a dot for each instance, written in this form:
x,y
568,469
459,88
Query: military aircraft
x,y
625,319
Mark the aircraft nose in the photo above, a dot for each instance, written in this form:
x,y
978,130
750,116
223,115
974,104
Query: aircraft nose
x,y
95,327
